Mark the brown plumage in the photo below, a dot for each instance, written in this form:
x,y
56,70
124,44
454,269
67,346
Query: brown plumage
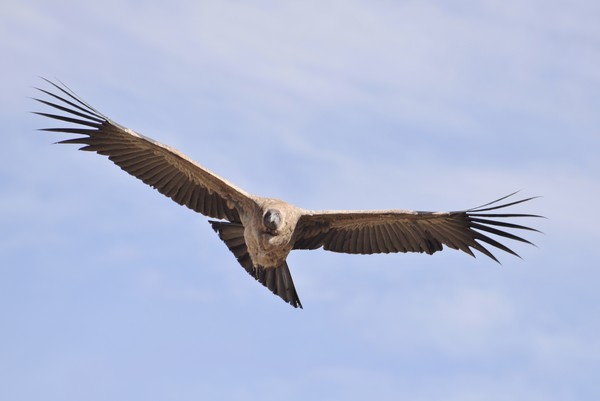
x,y
261,232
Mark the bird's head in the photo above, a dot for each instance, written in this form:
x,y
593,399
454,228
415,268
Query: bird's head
x,y
272,220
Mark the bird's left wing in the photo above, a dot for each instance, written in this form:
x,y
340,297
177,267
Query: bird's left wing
x,y
170,172
388,231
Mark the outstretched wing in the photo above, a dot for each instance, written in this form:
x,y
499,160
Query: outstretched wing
x,y
278,279
367,232
164,168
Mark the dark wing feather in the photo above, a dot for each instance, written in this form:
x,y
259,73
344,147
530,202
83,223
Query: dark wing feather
x,y
367,232
164,168
278,279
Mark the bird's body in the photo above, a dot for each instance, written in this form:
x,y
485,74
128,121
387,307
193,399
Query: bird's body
x,y
261,232
269,246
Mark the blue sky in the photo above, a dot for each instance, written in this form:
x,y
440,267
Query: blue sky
x,y
108,290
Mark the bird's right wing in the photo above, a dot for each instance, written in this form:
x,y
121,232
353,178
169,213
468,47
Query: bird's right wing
x,y
170,172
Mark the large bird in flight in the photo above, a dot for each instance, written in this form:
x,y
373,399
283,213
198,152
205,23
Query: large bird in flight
x,y
261,232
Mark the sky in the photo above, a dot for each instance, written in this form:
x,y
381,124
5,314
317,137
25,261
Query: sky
x,y
109,290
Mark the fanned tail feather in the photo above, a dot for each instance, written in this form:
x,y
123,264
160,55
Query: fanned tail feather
x,y
278,279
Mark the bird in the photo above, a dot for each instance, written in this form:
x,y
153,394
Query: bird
x,y
260,231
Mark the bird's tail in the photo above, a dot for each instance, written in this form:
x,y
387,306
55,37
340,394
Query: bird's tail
x,y
277,279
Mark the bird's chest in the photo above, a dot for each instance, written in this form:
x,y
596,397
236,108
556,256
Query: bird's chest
x,y
267,250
